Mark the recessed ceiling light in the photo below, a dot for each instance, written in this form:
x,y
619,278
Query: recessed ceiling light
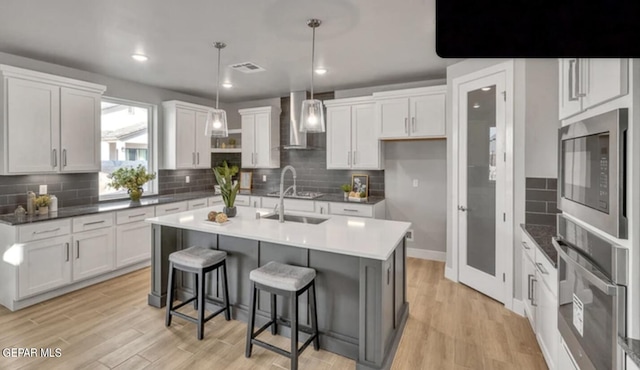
x,y
227,85
140,57
476,105
486,88
321,71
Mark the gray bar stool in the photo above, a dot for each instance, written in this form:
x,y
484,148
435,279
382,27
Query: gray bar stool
x,y
288,281
197,260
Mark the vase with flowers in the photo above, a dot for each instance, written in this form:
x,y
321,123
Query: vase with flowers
x,y
131,179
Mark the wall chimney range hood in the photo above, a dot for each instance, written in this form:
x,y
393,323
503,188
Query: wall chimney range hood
x,y
297,139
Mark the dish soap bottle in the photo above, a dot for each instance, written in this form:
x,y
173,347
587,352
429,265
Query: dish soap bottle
x,y
53,207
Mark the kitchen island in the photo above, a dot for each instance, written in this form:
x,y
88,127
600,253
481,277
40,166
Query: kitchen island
x,y
360,265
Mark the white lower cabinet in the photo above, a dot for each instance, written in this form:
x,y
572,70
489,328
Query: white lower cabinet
x,y
133,243
243,201
45,265
565,361
93,253
528,281
321,208
547,321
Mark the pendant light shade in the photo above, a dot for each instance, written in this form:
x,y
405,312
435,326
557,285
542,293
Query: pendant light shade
x,y
312,116
216,125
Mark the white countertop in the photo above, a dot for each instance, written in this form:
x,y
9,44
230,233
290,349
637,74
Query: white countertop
x,y
353,236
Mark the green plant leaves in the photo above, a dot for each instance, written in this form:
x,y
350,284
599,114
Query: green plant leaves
x,y
130,178
223,174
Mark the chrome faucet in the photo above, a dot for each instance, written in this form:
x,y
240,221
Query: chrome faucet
x,y
281,203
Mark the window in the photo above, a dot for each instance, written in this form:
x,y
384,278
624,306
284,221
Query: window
x,y
127,141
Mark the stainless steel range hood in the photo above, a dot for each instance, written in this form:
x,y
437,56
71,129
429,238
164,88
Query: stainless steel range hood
x,y
297,139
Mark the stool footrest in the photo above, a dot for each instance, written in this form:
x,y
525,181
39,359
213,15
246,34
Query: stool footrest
x,y
182,304
193,319
287,323
280,350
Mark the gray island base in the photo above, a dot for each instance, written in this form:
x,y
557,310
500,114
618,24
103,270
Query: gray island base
x,y
362,303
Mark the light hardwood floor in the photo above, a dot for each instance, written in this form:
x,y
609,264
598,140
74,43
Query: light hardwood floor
x,y
110,325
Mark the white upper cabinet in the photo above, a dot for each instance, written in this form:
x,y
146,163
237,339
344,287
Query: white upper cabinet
x,y
585,83
411,113
51,124
260,137
352,140
185,144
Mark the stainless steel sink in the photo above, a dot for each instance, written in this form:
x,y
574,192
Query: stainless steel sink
x,y
298,195
296,218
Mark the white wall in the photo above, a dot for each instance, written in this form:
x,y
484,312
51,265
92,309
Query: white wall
x,y
424,206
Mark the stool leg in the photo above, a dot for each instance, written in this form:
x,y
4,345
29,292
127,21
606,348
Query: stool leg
x,y
294,331
274,304
167,321
200,293
252,318
195,290
314,317
227,312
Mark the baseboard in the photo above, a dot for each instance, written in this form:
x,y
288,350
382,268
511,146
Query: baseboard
x,y
450,274
518,307
427,254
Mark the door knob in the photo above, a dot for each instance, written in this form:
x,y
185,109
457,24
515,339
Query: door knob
x,y
463,208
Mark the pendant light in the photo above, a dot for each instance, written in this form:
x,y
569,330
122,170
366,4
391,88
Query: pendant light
x,y
312,117
217,118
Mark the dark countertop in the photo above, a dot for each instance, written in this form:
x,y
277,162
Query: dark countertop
x,y
117,205
631,347
541,235
330,197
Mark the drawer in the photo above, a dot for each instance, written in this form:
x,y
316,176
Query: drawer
x,y
92,222
44,230
347,209
243,200
198,203
289,204
215,201
548,273
528,246
132,215
167,209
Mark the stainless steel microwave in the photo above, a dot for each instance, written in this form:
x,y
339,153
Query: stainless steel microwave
x,y
592,171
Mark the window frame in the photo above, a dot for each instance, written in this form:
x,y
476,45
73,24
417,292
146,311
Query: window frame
x,y
152,155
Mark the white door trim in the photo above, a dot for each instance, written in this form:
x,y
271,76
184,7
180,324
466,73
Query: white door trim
x,y
506,260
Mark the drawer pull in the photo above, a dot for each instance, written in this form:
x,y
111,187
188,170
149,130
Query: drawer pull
x,y
541,268
46,231
139,215
77,249
172,209
198,205
93,223
67,245
349,210
526,246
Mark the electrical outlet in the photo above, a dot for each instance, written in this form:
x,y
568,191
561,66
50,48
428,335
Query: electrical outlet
x,y
415,183
187,179
264,178
43,189
409,235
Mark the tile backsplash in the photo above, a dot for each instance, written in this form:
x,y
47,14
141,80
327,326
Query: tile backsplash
x,y
541,198
174,181
70,189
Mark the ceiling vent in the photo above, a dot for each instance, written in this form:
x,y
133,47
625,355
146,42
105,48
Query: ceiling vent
x,y
247,67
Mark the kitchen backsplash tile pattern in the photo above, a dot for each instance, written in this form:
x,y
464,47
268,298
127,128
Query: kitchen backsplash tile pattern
x,y
310,164
541,198
70,189
174,181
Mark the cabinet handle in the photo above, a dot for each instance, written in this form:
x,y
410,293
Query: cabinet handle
x,y
533,301
579,80
64,158
93,223
54,158
198,158
529,276
413,123
172,209
256,158
77,249
321,210
46,231
525,246
405,125
141,214
541,268
67,245
349,210
572,82
354,157
197,205
193,158
388,274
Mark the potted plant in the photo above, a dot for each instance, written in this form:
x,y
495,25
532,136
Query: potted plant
x,y
228,189
131,179
346,188
42,202
232,143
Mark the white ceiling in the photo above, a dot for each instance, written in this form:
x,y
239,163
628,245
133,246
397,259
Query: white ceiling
x,y
361,42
